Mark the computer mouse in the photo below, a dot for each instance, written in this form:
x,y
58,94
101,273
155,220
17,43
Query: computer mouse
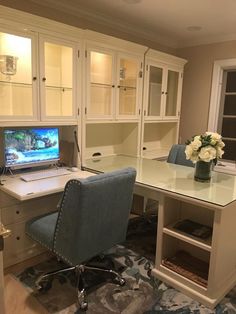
x,y
74,169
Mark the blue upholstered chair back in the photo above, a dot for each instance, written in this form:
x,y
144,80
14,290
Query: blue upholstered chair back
x,y
93,215
177,156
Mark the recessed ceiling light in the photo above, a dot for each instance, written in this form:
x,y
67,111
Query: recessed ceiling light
x,y
132,1
194,28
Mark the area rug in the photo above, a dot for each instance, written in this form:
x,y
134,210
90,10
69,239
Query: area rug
x,y
142,294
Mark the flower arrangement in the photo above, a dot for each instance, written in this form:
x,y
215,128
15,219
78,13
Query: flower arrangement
x,y
206,147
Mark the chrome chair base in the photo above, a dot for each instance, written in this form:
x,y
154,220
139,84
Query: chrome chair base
x,y
43,284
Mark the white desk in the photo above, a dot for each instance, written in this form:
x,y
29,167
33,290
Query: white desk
x,y
21,190
180,197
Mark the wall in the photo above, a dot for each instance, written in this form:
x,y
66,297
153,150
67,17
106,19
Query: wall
x,y
197,84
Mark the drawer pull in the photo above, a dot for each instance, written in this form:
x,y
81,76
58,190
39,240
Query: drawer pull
x,y
17,212
18,238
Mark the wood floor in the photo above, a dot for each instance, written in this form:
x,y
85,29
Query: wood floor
x,y
18,299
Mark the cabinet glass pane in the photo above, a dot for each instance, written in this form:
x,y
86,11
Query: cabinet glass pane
x,y
128,84
58,100
101,68
100,83
59,77
172,91
155,86
100,100
15,75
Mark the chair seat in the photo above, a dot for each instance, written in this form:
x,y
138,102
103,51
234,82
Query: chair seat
x,y
41,229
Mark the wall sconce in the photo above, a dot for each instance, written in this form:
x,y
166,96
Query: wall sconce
x,y
8,64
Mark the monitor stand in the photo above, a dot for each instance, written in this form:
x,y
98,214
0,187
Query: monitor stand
x,y
6,170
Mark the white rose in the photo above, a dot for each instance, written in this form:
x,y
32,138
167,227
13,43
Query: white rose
x,y
221,144
191,154
196,143
219,152
188,151
207,153
214,136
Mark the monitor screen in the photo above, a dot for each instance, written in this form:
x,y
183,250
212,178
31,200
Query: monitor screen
x,y
31,146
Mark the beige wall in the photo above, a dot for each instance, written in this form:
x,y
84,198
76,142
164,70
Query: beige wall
x,y
197,84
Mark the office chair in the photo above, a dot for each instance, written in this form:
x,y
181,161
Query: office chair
x,y
92,217
177,156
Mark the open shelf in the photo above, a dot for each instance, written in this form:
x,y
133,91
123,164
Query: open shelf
x,y
158,139
204,244
185,259
176,211
107,139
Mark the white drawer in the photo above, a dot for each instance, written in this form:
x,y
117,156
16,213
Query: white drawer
x,y
18,246
7,200
22,211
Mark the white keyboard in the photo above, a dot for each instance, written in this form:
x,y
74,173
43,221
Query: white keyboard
x,y
45,174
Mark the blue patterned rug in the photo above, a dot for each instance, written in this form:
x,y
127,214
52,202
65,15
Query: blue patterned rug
x,y
142,294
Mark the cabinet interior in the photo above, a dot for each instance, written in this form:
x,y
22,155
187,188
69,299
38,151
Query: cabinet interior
x,y
158,139
176,210
15,75
111,139
171,246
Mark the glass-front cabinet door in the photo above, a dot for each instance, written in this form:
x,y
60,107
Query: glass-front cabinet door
x,y
127,88
100,84
162,92
18,80
58,76
113,85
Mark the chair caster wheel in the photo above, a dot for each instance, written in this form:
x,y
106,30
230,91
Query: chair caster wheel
x,y
44,286
120,281
83,306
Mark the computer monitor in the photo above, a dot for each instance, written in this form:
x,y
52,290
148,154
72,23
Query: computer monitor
x,y
31,147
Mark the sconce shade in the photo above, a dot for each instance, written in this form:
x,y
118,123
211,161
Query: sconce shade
x,y
8,64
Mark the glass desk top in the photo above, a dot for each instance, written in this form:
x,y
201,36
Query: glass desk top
x,y
221,190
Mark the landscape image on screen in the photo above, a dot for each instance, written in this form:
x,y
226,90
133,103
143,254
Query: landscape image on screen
x,y
31,146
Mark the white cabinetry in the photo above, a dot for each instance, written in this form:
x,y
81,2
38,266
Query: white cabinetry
x,y
38,82
113,84
58,77
162,101
113,96
18,76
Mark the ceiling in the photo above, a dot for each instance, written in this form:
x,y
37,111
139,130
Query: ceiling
x,y
172,23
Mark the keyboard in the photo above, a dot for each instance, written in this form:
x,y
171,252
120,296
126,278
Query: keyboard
x,y
45,174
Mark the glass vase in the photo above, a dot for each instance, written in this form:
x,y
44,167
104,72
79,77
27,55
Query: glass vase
x,y
203,171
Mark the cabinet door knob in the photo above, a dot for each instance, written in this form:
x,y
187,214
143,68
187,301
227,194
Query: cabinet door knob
x,y
18,238
34,78
44,79
166,93
118,86
162,92
112,86
17,212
